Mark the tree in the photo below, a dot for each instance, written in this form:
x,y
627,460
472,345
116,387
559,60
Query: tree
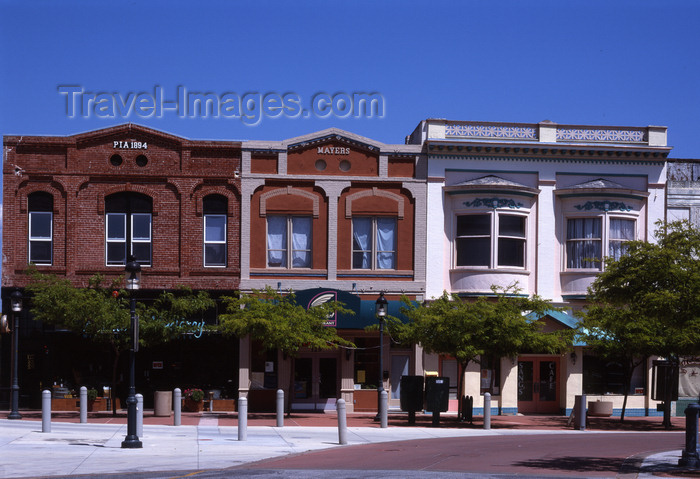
x,y
648,301
101,312
484,328
280,323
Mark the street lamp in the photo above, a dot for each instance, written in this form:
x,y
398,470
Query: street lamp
x,y
133,282
16,302
380,308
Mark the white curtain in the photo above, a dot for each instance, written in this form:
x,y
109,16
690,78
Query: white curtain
x,y
361,247
277,241
583,242
301,242
621,230
386,234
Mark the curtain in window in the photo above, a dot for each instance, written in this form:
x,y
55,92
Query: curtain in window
x,y
583,242
621,230
361,247
277,241
301,242
386,233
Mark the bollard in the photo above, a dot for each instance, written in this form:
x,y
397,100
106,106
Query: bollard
x,y
46,411
139,415
342,422
487,411
177,406
689,457
580,412
242,419
384,412
83,405
280,408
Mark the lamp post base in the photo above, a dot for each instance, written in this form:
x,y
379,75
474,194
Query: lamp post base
x,y
131,443
14,415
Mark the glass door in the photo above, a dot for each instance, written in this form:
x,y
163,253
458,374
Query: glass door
x,y
538,385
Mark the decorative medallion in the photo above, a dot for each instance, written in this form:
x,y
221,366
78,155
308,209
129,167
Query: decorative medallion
x,y
493,203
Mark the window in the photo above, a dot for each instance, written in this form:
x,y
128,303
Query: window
x,y
289,241
585,240
215,208
373,243
475,240
607,377
128,230
40,206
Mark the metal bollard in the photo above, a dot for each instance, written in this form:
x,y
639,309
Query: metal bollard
x,y
46,411
280,408
139,415
487,411
242,419
83,405
384,412
690,457
342,422
177,406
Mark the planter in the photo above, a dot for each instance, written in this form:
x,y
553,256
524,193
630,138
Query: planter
x,y
600,408
193,406
222,405
99,404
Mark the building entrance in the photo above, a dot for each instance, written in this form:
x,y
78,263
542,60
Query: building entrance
x,y
538,385
315,382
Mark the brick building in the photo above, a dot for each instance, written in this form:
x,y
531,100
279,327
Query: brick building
x,y
78,205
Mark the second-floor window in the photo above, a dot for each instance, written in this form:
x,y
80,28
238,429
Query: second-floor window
x,y
490,240
215,208
289,241
40,206
586,239
373,242
128,218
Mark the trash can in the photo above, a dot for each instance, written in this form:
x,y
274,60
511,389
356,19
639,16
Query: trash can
x,y
163,403
437,393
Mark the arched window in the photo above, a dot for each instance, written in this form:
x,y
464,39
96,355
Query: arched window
x,y
215,208
40,206
128,217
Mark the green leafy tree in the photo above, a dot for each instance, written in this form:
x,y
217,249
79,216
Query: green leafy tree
x,y
486,328
280,323
648,301
101,312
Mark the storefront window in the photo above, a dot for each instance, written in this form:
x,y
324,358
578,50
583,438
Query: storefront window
x,y
606,377
366,363
491,376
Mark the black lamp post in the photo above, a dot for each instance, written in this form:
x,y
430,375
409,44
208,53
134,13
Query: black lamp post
x,y
16,302
133,282
380,308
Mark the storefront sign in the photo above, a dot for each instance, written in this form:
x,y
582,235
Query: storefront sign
x,y
332,150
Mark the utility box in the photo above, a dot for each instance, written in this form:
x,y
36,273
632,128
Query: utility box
x,y
437,393
411,393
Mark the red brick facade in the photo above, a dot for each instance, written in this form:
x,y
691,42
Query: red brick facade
x,y
80,171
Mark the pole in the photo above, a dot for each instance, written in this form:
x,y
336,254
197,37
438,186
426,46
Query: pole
x,y
487,411
342,421
14,414
131,440
689,457
177,406
242,419
83,405
280,408
384,410
139,415
46,411
380,388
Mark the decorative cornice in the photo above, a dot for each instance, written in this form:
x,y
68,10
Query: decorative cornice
x,y
491,131
289,190
374,192
604,206
493,203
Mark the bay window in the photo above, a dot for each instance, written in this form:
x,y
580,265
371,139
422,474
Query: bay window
x,y
373,242
490,240
289,241
587,238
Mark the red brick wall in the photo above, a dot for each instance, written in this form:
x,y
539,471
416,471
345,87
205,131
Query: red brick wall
x,y
77,171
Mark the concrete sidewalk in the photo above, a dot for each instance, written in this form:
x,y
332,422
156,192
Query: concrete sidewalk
x,y
212,443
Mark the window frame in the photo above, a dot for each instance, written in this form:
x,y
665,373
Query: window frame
x,y
605,240
129,206
374,250
289,250
208,242
494,237
40,239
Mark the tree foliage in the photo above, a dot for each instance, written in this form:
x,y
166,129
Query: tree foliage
x,y
502,326
280,323
647,303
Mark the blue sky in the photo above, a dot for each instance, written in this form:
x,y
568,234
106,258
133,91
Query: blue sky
x,y
575,62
